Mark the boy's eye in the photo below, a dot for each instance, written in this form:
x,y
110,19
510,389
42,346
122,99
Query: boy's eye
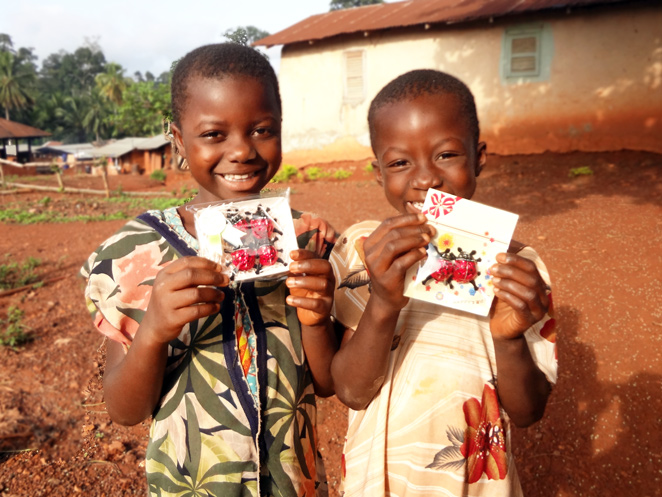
x,y
446,155
264,131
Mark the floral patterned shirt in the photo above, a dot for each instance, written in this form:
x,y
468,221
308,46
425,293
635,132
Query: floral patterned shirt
x,y
435,428
209,434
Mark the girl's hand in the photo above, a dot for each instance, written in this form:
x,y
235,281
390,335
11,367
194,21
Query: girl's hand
x,y
311,283
183,291
395,246
520,296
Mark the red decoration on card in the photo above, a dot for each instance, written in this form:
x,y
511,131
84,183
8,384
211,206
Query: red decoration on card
x,y
441,204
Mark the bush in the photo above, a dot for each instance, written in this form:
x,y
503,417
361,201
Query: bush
x,y
13,331
342,174
158,175
14,275
284,174
315,173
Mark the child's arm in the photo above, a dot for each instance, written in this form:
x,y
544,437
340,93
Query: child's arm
x,y
360,365
520,301
133,381
311,285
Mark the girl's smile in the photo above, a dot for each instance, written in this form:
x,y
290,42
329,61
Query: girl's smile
x,y
229,132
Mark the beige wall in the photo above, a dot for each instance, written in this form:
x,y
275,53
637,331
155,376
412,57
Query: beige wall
x,y
604,90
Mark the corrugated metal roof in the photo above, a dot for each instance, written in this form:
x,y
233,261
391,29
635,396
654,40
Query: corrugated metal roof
x,y
126,145
11,129
113,149
78,150
411,13
152,143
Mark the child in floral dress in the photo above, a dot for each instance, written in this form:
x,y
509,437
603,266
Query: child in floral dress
x,y
432,390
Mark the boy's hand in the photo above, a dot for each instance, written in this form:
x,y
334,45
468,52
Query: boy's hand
x,y
311,283
395,246
520,296
183,291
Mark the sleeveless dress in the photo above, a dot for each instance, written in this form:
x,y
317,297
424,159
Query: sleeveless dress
x,y
436,427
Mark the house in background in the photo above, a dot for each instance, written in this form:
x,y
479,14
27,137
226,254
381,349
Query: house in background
x,y
16,140
548,75
126,155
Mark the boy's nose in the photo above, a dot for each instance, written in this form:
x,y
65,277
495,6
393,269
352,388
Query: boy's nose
x,y
240,149
427,176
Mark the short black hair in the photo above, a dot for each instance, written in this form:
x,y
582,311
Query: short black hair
x,y
419,82
218,61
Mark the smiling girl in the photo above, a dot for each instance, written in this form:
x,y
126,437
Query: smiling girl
x,y
229,375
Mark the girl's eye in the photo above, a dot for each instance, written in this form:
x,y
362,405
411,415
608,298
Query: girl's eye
x,y
212,134
398,163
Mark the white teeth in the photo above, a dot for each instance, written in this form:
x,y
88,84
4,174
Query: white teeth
x,y
237,177
417,205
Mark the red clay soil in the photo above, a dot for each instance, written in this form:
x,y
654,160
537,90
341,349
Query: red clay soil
x,y
600,235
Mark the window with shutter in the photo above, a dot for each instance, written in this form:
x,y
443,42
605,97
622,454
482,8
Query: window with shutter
x,y
523,52
354,81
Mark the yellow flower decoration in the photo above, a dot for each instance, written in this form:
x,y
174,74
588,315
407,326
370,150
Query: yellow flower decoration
x,y
445,241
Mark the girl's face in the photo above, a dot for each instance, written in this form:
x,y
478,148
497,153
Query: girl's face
x,y
425,143
229,132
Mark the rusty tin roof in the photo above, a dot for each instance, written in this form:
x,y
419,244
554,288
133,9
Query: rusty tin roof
x,y
410,13
11,129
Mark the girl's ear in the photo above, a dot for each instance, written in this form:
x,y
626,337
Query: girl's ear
x,y
179,143
377,171
481,157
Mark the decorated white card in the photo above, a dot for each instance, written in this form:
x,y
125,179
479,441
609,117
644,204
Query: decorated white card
x,y
456,271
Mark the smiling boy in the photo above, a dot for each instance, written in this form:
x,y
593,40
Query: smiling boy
x,y
431,389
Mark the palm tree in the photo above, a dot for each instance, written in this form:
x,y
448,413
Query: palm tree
x,y
15,84
72,116
96,118
112,83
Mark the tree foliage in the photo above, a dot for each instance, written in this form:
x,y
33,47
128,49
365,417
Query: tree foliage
x,y
348,4
79,96
245,35
16,83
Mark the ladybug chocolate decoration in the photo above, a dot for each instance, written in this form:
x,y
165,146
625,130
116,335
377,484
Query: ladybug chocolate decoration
x,y
465,268
262,227
243,259
444,272
267,255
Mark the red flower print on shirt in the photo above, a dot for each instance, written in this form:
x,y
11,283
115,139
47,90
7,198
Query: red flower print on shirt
x,y
484,444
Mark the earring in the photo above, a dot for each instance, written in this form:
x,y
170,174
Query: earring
x,y
183,165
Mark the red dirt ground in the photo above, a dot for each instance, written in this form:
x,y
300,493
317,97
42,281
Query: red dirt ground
x,y
600,236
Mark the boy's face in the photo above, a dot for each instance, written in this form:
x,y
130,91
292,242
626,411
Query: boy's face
x,y
424,143
229,132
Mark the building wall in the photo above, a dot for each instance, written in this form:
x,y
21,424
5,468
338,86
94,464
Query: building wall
x,y
602,89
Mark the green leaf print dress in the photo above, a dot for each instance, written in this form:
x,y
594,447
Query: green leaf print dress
x,y
218,430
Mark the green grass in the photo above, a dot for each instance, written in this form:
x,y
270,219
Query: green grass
x,y
18,216
369,167
15,275
126,209
580,171
13,332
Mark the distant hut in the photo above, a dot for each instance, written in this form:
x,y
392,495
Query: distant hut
x,y
13,133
